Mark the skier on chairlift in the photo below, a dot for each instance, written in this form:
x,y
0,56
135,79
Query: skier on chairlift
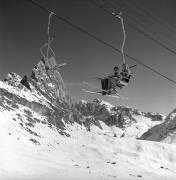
x,y
114,80
116,72
119,79
126,73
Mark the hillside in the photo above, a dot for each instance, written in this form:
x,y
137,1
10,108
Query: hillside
x,y
121,121
37,150
165,132
45,136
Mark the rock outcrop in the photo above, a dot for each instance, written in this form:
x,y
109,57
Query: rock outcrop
x,y
165,132
128,121
44,93
47,79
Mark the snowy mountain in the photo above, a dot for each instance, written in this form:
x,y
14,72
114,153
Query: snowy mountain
x,y
165,132
44,136
43,93
122,121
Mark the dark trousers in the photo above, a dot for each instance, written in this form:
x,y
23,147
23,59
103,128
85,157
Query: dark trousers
x,y
105,84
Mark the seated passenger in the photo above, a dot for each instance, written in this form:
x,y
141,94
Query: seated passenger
x,y
116,72
126,73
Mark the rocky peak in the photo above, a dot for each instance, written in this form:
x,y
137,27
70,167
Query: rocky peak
x,y
171,116
165,131
43,93
119,116
13,79
46,77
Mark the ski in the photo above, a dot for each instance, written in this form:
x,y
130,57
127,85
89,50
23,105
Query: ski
x,y
100,93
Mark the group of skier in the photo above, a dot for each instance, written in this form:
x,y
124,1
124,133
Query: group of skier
x,y
124,75
117,80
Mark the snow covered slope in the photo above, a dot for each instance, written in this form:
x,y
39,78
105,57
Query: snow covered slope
x,y
44,136
165,132
34,149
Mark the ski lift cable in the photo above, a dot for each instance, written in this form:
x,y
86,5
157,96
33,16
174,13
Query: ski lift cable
x,y
150,31
132,26
164,24
102,41
124,33
136,7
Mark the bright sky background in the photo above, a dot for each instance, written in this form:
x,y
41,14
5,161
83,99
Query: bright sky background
x,y
23,32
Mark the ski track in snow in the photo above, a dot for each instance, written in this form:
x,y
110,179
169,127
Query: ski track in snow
x,y
94,154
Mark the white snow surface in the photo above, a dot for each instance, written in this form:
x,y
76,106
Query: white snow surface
x,y
94,154
34,95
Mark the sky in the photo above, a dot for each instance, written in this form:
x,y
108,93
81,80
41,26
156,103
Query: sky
x,y
23,31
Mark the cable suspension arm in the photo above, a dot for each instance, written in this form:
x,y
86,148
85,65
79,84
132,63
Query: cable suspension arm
x,y
124,34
